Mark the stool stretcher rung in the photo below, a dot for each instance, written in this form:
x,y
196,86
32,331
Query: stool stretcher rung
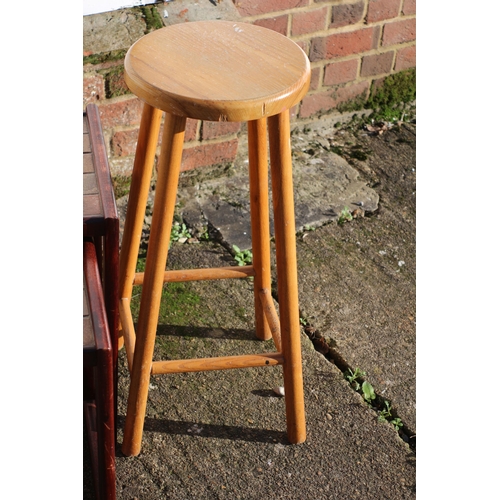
x,y
128,330
214,273
216,363
271,316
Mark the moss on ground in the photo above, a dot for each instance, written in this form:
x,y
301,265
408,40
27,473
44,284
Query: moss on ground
x,y
152,18
395,91
388,98
114,82
114,55
178,303
121,185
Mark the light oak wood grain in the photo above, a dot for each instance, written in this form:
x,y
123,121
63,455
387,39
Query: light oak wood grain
x,y
218,71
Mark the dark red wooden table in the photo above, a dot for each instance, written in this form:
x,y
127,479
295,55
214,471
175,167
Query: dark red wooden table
x,y
100,216
99,412
100,318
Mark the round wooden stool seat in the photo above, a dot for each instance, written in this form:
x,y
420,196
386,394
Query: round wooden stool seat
x,y
218,71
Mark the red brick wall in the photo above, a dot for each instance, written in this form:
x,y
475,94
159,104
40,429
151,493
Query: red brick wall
x,y
350,43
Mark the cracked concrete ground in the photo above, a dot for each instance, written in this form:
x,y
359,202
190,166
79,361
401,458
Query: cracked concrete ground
x,y
222,434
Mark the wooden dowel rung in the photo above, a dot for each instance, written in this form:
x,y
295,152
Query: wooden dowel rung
x,y
128,329
271,316
218,363
214,273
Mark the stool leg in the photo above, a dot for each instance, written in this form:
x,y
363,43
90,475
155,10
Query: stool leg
x,y
286,263
259,211
161,225
138,197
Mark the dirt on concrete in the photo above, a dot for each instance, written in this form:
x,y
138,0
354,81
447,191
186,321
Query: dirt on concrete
x,y
222,434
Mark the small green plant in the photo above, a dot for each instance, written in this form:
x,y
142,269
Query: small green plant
x,y
179,231
344,216
204,236
307,227
352,377
385,415
242,257
303,321
368,392
396,422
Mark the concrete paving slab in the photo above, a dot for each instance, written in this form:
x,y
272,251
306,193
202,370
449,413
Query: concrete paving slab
x,y
223,434
324,184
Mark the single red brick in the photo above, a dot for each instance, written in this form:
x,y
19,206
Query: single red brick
x,y
279,24
315,74
377,64
93,88
122,112
256,7
211,130
345,14
341,72
314,103
348,93
209,154
191,130
317,50
409,7
399,32
406,58
378,10
309,21
342,44
328,101
124,142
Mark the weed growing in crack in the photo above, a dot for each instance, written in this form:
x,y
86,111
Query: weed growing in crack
x,y
242,257
352,377
344,216
385,415
205,235
179,231
356,380
396,422
368,392
376,402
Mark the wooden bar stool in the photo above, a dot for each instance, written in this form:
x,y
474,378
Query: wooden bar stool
x,y
216,71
